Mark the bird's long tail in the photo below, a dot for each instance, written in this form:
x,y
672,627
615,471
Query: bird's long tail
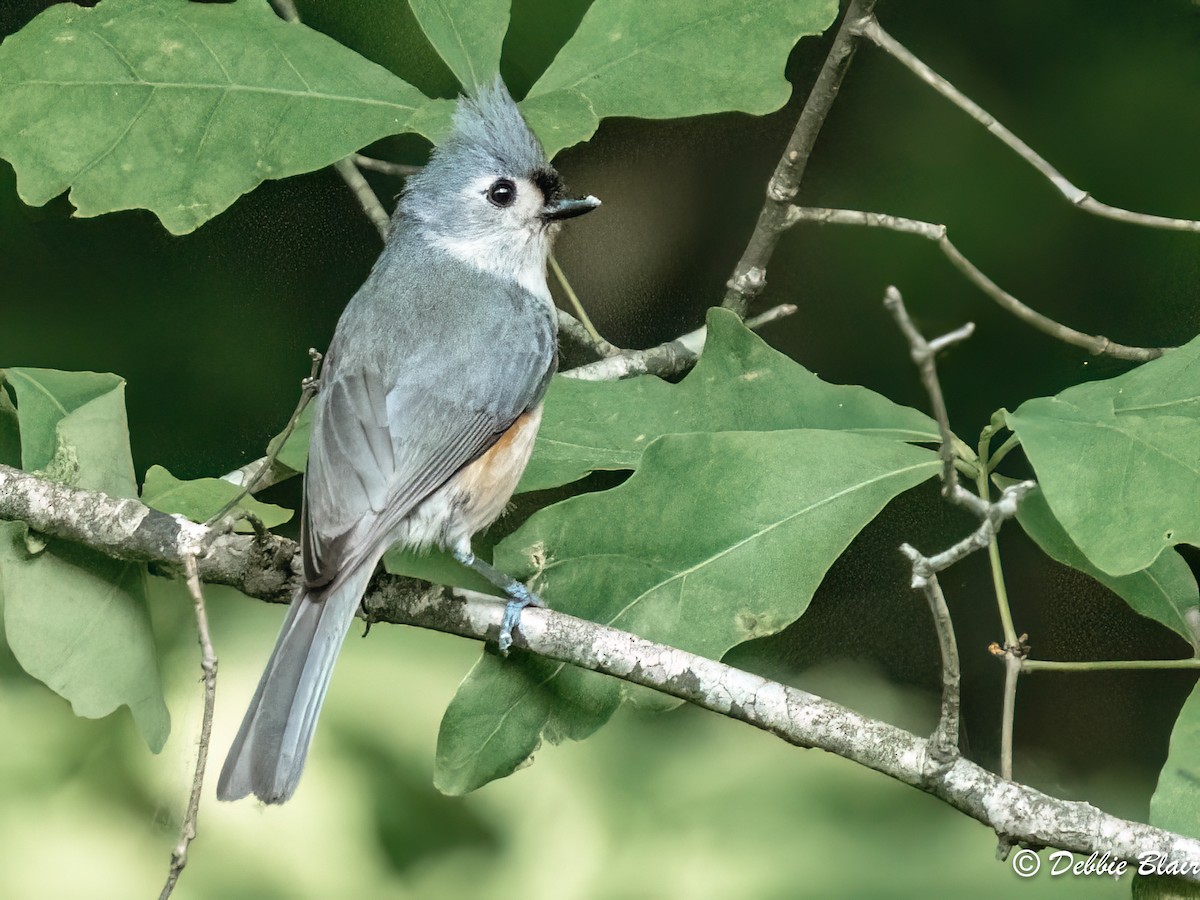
x,y
268,754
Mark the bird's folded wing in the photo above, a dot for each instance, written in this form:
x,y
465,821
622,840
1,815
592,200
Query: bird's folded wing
x,y
378,450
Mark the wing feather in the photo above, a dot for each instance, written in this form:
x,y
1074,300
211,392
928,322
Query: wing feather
x,y
399,412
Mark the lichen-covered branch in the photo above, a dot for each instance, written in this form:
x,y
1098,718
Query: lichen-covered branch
x,y
267,569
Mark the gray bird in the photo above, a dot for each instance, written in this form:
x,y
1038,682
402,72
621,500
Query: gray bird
x,y
430,398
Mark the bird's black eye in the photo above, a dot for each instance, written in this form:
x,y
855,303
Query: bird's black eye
x,y
502,193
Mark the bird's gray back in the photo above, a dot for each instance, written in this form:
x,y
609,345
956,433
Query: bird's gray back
x,y
432,361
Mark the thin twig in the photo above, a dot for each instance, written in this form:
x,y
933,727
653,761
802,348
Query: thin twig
x,y
572,329
1095,344
924,573
264,468
945,736
870,28
365,196
750,275
666,359
1012,642
1107,665
208,665
398,170
923,353
1008,711
599,344
992,516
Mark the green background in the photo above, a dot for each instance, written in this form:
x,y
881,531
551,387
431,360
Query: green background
x,y
211,332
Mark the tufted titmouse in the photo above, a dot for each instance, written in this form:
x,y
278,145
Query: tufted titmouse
x,y
430,399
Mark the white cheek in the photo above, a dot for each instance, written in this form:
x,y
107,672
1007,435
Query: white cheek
x,y
510,243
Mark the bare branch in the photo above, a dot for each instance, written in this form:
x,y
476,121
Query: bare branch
x,y
666,359
1095,344
945,738
870,28
923,353
571,328
365,196
1008,711
208,666
925,568
750,275
594,340
383,166
1017,812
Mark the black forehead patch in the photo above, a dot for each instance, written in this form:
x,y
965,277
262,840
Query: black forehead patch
x,y
549,182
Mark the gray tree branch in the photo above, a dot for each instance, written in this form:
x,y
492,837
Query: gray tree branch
x,y
267,569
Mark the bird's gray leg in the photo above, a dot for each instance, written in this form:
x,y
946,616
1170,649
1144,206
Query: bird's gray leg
x,y
520,594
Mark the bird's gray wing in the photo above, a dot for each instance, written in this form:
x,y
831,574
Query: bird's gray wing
x,y
394,424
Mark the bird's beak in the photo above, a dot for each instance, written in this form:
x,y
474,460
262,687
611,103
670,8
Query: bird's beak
x,y
557,210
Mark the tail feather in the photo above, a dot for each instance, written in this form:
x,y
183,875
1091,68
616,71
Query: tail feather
x,y
268,754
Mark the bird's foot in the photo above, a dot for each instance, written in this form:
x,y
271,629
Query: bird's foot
x,y
521,596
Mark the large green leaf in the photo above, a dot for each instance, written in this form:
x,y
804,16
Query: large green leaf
x,y
180,108
294,452
73,427
201,498
739,384
1165,592
1119,460
467,34
75,619
670,58
715,540
1176,801
10,431
78,621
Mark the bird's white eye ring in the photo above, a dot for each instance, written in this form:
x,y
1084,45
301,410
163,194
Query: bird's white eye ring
x,y
502,193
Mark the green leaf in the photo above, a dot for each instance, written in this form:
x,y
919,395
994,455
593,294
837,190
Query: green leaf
x,y
74,618
715,540
200,498
668,59
78,621
180,108
1176,801
467,34
739,384
74,429
1117,460
294,453
503,707
1165,592
10,431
